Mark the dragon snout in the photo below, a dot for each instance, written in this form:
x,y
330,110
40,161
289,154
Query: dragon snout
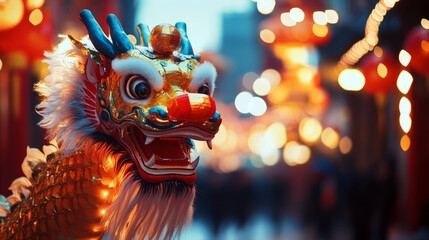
x,y
193,107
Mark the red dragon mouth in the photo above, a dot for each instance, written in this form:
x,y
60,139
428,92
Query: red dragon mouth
x,y
169,155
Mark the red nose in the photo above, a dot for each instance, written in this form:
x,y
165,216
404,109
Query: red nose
x,y
194,107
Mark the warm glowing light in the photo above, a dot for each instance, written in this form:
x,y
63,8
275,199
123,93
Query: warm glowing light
x,y
345,145
267,36
405,142
220,137
277,132
270,156
332,16
242,102
266,6
105,193
351,80
382,70
330,138
295,154
229,164
425,23
103,211
404,81
305,75
11,14
389,3
272,75
297,14
378,51
310,130
257,106
405,122
404,58
253,141
261,86
132,39
298,55
287,20
1,64
36,17
425,45
320,18
320,30
248,79
405,106
32,4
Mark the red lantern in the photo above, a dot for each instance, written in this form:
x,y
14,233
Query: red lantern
x,y
417,45
380,72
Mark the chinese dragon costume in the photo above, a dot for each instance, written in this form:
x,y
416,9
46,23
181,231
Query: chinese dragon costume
x,y
121,119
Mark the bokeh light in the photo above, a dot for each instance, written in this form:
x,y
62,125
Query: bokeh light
x,y
405,143
330,138
248,80
297,14
405,106
277,132
257,106
32,4
405,122
261,86
425,23
287,20
267,36
242,102
351,80
310,130
404,81
332,16
404,58
320,30
271,75
320,18
382,70
265,6
345,145
295,154
36,17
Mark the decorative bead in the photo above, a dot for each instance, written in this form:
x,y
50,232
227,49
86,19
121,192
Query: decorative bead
x,y
164,39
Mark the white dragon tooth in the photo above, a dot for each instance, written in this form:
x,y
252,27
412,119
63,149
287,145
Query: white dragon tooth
x,y
149,140
209,144
194,155
194,164
151,161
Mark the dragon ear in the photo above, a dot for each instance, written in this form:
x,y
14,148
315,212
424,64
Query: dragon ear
x,y
96,66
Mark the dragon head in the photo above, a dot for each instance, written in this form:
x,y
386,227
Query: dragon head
x,y
155,98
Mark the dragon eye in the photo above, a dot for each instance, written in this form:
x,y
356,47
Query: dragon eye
x,y
204,90
138,87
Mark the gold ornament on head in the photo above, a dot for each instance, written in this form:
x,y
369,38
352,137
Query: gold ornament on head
x,y
165,39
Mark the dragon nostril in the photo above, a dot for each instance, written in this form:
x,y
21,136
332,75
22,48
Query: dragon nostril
x,y
192,107
158,112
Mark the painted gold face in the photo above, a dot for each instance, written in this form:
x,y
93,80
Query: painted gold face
x,y
153,99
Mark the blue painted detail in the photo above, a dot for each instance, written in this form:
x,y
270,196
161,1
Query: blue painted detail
x,y
104,115
215,117
144,33
161,112
191,142
121,42
185,45
96,34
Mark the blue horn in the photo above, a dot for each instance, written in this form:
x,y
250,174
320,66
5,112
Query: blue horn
x,y
96,34
144,33
121,42
185,45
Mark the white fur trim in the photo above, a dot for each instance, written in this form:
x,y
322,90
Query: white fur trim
x,y
159,214
203,74
64,96
140,66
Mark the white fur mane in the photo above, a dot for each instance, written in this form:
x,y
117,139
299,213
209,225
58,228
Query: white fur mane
x,y
63,93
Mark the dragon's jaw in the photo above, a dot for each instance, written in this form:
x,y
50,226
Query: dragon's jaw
x,y
167,155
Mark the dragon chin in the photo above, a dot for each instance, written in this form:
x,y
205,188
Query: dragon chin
x,y
163,156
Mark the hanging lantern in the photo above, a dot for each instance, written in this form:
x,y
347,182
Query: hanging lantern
x,y
417,45
380,72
